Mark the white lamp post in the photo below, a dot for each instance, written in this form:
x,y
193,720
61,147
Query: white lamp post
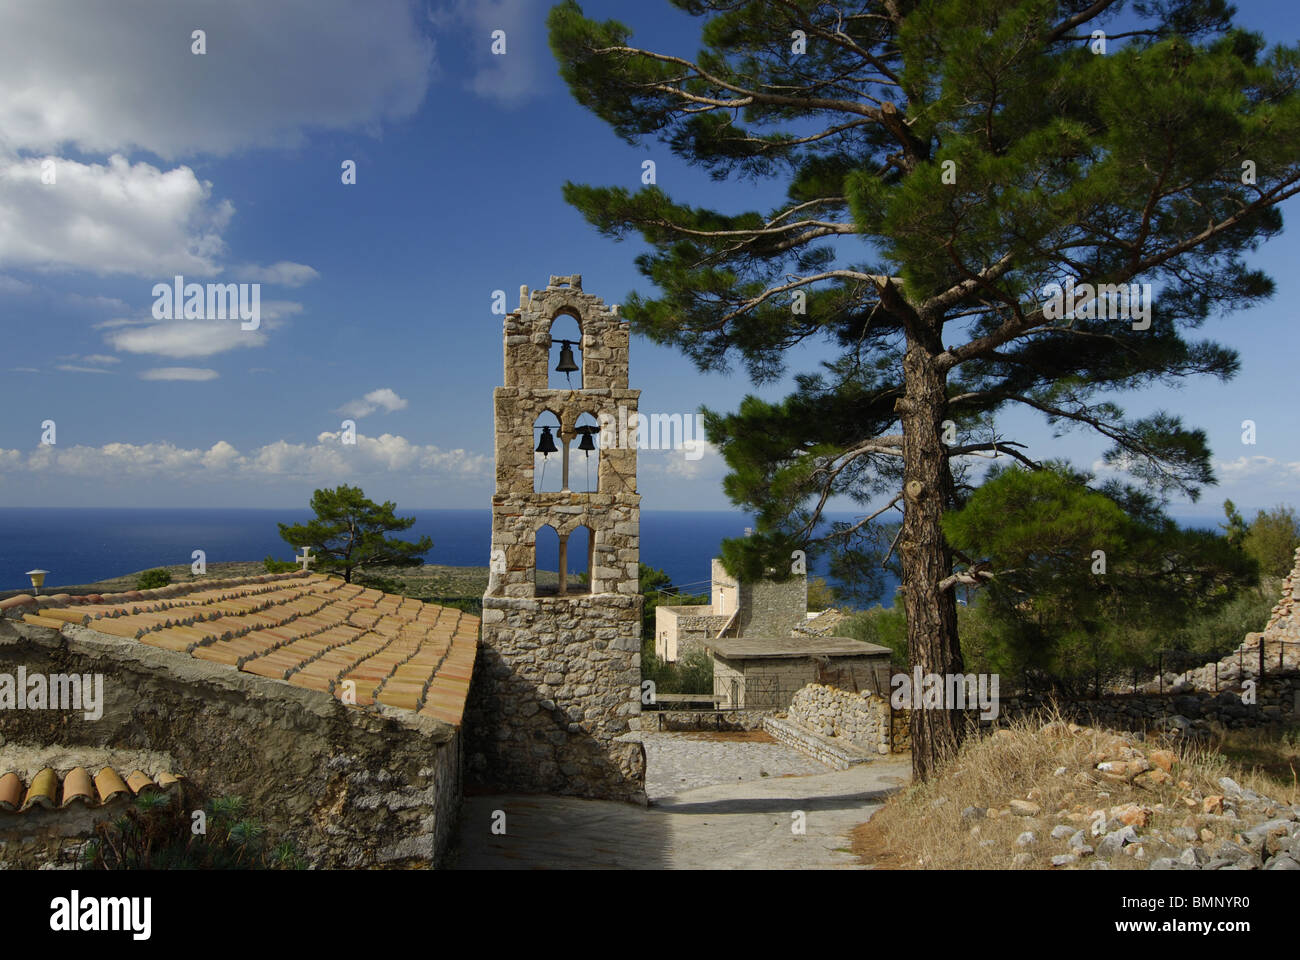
x,y
38,578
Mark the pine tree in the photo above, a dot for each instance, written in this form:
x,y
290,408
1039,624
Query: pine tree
x,y
944,162
347,534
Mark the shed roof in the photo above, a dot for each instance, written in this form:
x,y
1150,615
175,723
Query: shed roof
x,y
750,648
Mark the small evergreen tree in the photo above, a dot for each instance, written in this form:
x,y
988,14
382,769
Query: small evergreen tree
x,y
348,534
1235,529
152,579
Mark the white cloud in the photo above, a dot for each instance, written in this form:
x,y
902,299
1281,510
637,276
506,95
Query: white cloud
x,y
1257,468
123,322
698,461
180,339
13,285
75,76
186,338
327,459
275,310
381,399
284,273
98,303
100,358
110,218
77,73
74,368
510,78
179,373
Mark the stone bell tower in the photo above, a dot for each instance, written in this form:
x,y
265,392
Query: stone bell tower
x,y
559,673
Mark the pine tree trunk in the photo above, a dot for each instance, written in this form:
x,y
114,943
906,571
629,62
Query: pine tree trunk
x,y
926,559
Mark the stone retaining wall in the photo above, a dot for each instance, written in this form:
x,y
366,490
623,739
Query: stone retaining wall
x,y
54,839
351,788
1276,702
859,718
1278,646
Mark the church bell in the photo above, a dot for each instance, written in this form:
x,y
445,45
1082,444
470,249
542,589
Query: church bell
x,y
567,364
546,445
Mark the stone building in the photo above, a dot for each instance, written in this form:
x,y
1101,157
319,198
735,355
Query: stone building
x,y
767,608
558,682
765,673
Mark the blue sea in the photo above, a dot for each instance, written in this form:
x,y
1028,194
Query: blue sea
x,y
83,545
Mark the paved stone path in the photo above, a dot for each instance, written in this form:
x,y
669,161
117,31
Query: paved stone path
x,y
683,761
742,820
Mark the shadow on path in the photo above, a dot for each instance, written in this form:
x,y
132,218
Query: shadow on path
x,y
746,825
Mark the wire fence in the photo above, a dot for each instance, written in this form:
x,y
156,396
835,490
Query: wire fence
x,y
1272,657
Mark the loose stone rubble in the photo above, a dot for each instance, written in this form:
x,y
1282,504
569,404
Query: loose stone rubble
x,y
1234,828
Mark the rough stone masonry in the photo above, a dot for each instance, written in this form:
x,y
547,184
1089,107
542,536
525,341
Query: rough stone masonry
x,y
558,679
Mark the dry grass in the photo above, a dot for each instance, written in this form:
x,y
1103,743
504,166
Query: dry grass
x,y
922,827
1267,762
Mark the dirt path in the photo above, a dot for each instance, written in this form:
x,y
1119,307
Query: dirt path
x,y
746,824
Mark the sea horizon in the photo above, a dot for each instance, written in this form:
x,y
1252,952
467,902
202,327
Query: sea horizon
x,y
80,545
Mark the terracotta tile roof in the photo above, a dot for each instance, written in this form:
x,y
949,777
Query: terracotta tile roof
x,y
45,791
313,631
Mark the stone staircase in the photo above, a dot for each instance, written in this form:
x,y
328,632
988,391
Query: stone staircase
x,y
832,751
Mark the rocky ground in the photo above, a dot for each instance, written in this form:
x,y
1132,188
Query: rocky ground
x,y
1228,827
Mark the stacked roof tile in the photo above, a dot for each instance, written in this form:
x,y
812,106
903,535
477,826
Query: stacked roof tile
x,y
360,645
78,787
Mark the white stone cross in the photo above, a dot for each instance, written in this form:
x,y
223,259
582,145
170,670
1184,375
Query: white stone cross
x,y
305,559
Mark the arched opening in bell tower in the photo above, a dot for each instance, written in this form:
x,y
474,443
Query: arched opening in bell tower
x,y
564,362
548,454
584,455
577,551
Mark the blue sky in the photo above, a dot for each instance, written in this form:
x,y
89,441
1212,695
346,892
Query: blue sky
x,y
376,296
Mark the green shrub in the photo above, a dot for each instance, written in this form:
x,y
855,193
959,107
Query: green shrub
x,y
278,566
886,626
1272,539
820,594
1222,630
693,673
152,579
156,834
